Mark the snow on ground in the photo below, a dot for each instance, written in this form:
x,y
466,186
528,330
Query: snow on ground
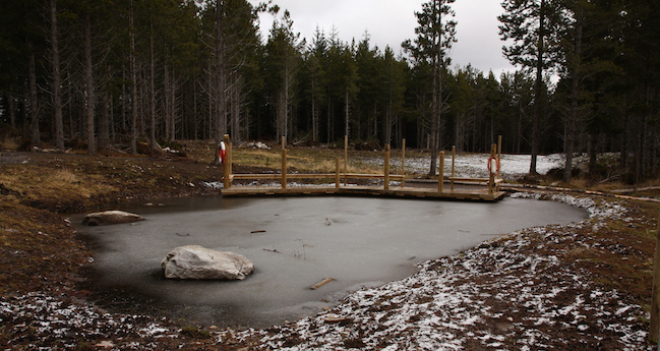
x,y
41,321
475,165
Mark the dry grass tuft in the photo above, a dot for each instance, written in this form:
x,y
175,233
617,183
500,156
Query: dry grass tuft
x,y
9,144
33,184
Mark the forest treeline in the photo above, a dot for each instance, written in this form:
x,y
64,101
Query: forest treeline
x,y
111,73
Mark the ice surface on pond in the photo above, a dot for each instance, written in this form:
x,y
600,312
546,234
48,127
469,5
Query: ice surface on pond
x,y
295,243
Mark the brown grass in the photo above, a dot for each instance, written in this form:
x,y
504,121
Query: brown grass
x,y
45,185
9,144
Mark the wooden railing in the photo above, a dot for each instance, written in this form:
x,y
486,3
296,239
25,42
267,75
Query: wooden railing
x,y
493,180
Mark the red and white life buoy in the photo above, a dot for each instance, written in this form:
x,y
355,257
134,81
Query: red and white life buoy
x,y
493,165
222,152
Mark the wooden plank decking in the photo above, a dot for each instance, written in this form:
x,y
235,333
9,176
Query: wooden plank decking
x,y
368,191
477,193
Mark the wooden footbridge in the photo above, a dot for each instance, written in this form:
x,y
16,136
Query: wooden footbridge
x,y
481,189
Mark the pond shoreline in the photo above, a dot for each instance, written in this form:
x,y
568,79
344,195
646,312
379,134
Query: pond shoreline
x,y
49,311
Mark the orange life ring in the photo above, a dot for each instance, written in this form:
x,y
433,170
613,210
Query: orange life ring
x,y
490,165
222,152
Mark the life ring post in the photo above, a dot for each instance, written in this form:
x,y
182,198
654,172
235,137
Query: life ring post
x,y
492,172
499,156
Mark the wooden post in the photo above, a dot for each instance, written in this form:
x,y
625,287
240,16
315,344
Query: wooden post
x,y
453,166
441,172
345,159
491,175
337,179
403,162
499,153
654,332
226,167
283,163
230,160
387,167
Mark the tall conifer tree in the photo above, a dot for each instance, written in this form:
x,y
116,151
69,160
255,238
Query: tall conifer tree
x,y
435,35
535,28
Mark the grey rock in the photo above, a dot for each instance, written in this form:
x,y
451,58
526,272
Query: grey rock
x,y
196,262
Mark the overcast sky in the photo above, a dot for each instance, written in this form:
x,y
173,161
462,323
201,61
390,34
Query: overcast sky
x,y
390,22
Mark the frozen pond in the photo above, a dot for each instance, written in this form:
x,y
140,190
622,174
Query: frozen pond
x,y
294,244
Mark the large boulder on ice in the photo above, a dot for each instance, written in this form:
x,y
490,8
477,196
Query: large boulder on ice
x,y
110,217
196,262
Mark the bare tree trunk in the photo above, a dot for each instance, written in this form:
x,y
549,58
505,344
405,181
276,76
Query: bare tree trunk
x,y
208,132
641,173
593,154
280,123
346,113
315,113
236,107
329,131
123,99
375,120
290,115
34,104
247,123
167,103
104,130
12,109
89,87
575,85
174,107
194,105
57,91
134,89
144,101
111,120
221,77
436,110
624,141
388,119
519,129
284,105
536,124
152,88
435,117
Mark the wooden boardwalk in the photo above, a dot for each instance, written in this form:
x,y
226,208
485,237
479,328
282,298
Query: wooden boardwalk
x,y
366,191
476,192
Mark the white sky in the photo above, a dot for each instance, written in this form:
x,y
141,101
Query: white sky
x,y
390,22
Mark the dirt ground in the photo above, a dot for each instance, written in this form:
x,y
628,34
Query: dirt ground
x,y
605,264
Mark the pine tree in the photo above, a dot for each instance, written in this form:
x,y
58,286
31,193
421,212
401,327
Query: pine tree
x,y
435,36
535,27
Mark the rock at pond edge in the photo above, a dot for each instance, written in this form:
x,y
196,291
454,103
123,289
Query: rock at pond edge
x,y
110,217
197,262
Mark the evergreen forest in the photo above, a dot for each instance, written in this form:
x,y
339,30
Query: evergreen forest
x,y
115,73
